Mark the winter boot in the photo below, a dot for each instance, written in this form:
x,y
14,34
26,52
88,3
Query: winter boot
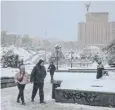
x,y
18,101
23,103
32,100
42,102
51,81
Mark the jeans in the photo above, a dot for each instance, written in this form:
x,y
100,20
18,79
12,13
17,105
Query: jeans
x,y
21,92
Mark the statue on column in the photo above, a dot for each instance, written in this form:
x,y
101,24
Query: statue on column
x,y
87,6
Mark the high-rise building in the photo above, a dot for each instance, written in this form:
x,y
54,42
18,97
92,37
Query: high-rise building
x,y
112,30
97,31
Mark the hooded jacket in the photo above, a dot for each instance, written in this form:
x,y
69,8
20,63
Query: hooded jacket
x,y
38,73
52,69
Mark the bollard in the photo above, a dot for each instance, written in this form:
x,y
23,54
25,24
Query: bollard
x,y
55,84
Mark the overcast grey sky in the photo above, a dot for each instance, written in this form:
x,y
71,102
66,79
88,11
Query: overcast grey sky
x,y
60,19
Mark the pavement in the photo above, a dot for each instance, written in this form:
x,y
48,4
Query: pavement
x,y
9,95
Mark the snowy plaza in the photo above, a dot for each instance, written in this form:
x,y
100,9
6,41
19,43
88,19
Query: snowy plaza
x,y
57,55
76,81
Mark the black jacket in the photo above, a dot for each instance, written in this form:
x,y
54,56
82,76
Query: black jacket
x,y
52,68
38,74
100,69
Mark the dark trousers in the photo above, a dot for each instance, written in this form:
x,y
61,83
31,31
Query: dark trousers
x,y
21,92
51,77
52,74
41,92
99,73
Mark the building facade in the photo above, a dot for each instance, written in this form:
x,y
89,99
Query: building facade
x,y
97,31
10,39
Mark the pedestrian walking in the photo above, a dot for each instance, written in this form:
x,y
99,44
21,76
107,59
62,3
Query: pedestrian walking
x,y
37,77
21,79
52,69
100,69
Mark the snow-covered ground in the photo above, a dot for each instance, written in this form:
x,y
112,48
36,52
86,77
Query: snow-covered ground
x,y
9,96
90,66
37,57
88,82
29,56
9,101
10,72
70,80
23,54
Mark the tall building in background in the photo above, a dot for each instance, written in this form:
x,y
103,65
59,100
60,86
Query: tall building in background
x,y
112,30
97,31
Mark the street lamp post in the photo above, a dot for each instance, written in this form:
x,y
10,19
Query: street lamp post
x,y
57,48
45,55
71,52
14,40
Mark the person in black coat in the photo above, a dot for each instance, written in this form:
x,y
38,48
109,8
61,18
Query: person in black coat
x,y
100,69
37,77
52,69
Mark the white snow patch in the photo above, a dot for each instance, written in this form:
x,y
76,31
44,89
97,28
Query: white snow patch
x,y
23,54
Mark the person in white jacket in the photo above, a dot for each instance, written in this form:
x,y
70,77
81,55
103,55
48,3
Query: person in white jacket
x,y
21,79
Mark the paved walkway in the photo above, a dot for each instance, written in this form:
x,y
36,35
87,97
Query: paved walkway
x,y
9,95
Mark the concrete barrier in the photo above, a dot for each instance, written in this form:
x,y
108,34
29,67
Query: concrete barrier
x,y
93,98
82,70
7,82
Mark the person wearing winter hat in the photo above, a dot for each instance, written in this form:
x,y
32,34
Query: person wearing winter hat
x,y
38,75
21,79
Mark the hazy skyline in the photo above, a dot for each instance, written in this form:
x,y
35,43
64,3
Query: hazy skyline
x,y
55,18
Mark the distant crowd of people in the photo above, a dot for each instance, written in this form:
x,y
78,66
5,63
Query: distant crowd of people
x,y
37,77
